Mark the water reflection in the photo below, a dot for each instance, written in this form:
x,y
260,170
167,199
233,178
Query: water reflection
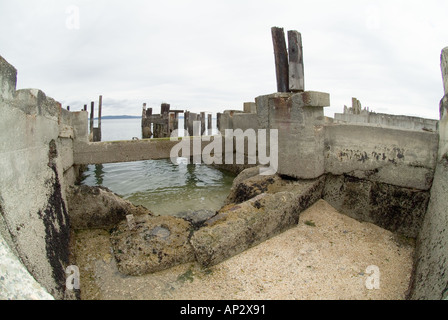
x,y
99,173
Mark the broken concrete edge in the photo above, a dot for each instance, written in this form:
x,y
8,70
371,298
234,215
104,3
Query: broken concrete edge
x,y
16,283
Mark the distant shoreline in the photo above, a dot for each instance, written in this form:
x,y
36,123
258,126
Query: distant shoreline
x,y
123,117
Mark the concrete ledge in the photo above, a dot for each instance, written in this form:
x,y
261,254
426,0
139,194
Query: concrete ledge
x,y
126,151
398,157
314,98
8,80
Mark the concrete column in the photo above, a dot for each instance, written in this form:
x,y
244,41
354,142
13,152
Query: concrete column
x,y
8,80
299,119
444,66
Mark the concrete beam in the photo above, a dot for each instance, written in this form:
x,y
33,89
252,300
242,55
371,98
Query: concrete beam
x,y
127,151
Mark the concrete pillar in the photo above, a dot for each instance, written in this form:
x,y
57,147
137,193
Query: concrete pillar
x,y
299,119
444,66
8,80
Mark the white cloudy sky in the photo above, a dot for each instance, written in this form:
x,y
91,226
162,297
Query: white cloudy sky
x,y
215,55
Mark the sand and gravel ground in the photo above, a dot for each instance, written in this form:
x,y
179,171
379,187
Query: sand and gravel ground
x,y
326,256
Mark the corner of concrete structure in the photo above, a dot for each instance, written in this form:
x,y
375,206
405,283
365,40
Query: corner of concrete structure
x,y
36,102
430,276
8,80
313,98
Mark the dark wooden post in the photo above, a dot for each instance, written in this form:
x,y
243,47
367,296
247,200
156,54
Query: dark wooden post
x,y
296,72
100,106
186,121
85,107
202,122
281,59
209,124
92,109
68,108
218,120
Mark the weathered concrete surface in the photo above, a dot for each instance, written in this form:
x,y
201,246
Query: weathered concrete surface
x,y
196,218
387,120
34,219
98,207
126,151
157,243
430,281
238,227
8,80
430,278
397,157
397,209
16,283
36,164
444,67
250,187
299,119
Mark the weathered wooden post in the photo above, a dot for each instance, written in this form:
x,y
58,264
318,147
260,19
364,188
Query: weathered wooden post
x,y
281,59
85,107
296,70
186,121
100,107
209,123
92,109
218,120
202,122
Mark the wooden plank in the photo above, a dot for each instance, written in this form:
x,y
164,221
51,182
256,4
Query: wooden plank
x,y
281,59
296,71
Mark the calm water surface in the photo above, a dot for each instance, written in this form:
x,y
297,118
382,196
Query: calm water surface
x,y
159,185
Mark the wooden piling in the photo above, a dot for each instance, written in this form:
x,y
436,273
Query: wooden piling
x,y
92,109
281,59
100,107
202,122
296,70
209,124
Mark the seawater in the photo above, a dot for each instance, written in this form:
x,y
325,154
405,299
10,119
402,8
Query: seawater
x,y
159,185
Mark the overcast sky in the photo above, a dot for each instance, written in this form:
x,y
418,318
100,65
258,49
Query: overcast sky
x,y
215,55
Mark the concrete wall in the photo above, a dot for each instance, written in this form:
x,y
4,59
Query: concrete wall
x,y
397,157
430,279
36,161
387,120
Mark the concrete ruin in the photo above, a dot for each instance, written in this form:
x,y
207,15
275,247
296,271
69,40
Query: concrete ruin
x,y
395,177
357,115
